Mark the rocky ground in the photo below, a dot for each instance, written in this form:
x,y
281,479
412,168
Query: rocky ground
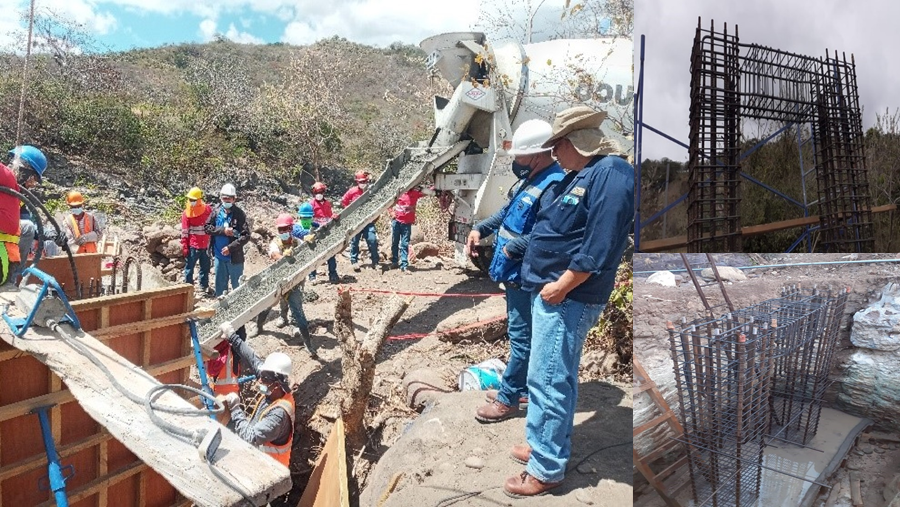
x,y
857,390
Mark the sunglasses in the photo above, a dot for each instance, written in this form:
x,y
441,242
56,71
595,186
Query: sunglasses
x,y
285,229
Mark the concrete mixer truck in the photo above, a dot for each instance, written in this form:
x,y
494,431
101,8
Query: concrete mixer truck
x,y
498,86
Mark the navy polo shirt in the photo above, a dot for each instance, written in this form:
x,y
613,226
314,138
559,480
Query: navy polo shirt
x,y
582,225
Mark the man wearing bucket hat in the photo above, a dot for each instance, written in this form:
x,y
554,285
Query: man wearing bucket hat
x,y
512,225
577,241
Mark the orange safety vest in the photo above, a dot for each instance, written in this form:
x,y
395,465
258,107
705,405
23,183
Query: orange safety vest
x,y
229,383
281,453
76,232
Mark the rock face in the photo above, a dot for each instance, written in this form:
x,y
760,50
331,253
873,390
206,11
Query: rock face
x,y
871,383
878,326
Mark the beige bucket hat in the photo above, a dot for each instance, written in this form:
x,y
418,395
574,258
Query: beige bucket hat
x,y
581,125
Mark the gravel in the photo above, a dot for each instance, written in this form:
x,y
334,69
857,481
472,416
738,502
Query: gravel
x,y
243,304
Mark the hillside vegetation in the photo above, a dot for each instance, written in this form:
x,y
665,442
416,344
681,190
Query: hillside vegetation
x,y
180,115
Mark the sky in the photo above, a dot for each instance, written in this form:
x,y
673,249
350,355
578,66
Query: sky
x,y
866,28
126,24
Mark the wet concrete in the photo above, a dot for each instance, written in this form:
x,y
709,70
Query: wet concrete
x,y
836,432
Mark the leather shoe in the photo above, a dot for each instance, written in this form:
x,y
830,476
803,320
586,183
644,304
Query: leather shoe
x,y
525,485
495,412
520,453
491,394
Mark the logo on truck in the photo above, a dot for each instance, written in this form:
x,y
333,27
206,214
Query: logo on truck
x,y
475,93
604,93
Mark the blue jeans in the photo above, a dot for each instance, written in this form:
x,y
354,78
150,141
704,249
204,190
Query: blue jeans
x,y
371,241
295,303
225,271
332,270
400,233
194,255
558,334
518,311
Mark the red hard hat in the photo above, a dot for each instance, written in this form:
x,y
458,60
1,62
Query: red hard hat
x,y
319,187
361,176
284,220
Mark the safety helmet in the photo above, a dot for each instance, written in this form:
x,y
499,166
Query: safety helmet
x,y
528,138
228,190
284,220
305,210
195,193
32,156
277,362
319,188
361,176
74,198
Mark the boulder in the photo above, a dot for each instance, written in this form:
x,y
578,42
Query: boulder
x,y
726,273
664,278
423,250
877,327
170,249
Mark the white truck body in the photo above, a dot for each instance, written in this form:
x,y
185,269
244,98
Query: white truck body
x,y
497,88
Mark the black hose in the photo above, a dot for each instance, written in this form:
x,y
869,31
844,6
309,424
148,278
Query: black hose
x,y
65,245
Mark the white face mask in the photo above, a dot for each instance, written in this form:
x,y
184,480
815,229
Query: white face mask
x,y
362,186
263,389
319,197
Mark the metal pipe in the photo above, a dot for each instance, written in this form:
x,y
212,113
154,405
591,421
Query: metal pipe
x,y
768,266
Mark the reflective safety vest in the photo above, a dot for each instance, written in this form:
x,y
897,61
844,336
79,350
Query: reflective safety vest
x,y
88,222
518,220
227,381
281,453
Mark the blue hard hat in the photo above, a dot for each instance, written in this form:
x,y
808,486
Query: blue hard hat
x,y
34,157
305,210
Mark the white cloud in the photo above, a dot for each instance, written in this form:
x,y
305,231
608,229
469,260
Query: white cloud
x,y
207,30
233,34
84,12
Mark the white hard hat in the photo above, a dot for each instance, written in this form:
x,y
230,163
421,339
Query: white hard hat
x,y
228,190
528,138
277,362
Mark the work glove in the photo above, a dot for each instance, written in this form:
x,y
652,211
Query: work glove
x,y
227,331
80,240
289,251
232,400
309,239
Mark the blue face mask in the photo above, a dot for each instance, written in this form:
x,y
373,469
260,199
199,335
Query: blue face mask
x,y
76,211
284,236
521,170
227,205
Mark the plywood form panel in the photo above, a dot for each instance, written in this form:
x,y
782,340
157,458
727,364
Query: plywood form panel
x,y
124,492
87,265
118,456
90,501
86,467
167,343
76,424
23,490
22,378
21,439
128,346
126,313
158,492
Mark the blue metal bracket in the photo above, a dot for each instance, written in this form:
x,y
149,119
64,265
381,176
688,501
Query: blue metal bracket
x,y
201,368
57,475
19,326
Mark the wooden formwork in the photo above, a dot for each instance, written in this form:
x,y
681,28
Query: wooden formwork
x,y
87,265
145,327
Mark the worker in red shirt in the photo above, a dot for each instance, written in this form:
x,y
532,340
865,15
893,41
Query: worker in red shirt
x,y
362,181
9,226
322,215
195,240
404,215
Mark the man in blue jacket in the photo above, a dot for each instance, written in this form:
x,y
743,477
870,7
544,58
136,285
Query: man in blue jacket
x,y
576,244
535,169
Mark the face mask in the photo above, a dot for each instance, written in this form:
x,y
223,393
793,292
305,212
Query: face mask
x,y
227,205
362,186
194,203
306,223
284,236
319,197
76,211
263,389
521,170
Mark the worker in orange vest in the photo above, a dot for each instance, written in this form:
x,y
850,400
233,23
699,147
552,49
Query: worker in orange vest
x,y
225,370
82,229
270,423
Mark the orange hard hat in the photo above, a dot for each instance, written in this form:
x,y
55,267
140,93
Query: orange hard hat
x,y
284,220
319,187
74,198
361,176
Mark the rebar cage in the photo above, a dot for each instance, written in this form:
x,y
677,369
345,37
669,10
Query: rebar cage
x,y
731,81
754,375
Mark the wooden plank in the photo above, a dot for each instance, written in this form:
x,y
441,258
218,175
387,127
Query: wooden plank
x,y
103,470
855,493
25,407
656,421
117,299
676,242
40,460
327,486
174,459
100,484
55,412
146,337
654,482
149,325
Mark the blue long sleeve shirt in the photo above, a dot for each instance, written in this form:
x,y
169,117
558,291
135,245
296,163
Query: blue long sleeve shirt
x,y
583,225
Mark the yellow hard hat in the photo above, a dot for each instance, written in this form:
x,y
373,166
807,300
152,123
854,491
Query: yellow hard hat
x,y
74,198
195,193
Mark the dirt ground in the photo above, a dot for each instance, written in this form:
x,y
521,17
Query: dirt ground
x,y
876,462
604,406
